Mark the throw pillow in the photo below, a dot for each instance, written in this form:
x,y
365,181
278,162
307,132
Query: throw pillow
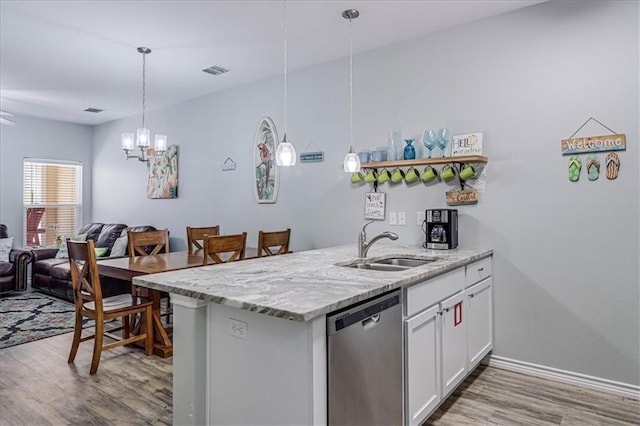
x,y
6,244
63,253
119,248
101,251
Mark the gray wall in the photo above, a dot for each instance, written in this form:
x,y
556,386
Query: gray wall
x,y
38,138
566,254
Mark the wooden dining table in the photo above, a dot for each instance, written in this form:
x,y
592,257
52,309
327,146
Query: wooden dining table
x,y
126,268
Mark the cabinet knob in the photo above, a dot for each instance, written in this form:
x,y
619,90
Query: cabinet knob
x,y
471,295
481,269
445,309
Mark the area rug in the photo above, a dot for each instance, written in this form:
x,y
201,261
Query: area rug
x,y
33,316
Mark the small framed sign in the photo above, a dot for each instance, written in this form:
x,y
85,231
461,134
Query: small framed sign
x,y
374,205
469,144
312,157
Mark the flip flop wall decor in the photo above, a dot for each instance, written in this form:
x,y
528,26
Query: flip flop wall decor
x,y
593,168
613,165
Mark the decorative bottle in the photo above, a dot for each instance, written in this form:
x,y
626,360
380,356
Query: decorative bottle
x,y
409,150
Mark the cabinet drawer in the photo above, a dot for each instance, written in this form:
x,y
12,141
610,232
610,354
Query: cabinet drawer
x,y
478,271
430,292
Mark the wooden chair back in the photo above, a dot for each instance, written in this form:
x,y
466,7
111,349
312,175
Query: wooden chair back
x,y
148,242
195,236
84,273
218,244
273,243
87,295
34,216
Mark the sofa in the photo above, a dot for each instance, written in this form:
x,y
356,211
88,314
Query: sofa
x,y
13,274
52,276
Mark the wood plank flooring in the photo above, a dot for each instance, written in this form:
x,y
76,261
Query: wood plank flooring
x,y
38,387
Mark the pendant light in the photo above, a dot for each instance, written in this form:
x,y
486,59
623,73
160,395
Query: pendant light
x,y
351,160
143,134
285,153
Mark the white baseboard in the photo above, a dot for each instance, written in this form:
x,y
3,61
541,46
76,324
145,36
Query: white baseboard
x,y
597,383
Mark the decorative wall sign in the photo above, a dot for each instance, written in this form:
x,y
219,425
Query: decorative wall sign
x,y
611,142
469,144
228,165
374,203
614,142
312,157
462,197
265,170
163,173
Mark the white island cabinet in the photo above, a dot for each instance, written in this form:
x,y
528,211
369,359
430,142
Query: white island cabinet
x,y
250,337
448,329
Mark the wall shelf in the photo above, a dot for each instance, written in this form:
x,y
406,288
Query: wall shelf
x,y
425,161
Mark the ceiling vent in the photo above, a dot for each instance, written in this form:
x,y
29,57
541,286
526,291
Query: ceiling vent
x,y
94,110
215,70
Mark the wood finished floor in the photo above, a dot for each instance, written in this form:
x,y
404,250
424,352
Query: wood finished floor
x,y
37,387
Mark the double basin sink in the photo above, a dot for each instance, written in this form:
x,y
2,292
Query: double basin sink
x,y
389,263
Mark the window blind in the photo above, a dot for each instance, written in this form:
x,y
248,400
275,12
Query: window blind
x,y
52,201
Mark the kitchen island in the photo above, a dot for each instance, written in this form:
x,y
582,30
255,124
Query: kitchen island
x,y
250,336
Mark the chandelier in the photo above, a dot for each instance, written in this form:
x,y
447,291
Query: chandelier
x,y
143,134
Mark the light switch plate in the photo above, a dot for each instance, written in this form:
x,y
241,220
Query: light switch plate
x,y
402,218
393,218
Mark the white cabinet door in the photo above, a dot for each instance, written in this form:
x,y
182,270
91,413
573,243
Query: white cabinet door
x,y
422,381
454,342
480,324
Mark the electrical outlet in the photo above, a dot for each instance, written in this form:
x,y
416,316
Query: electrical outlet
x,y
420,217
402,219
393,218
238,328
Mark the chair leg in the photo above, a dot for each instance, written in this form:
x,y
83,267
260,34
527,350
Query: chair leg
x,y
149,339
126,326
97,346
77,333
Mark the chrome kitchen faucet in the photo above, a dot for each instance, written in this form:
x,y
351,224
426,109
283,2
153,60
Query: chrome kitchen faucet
x,y
364,245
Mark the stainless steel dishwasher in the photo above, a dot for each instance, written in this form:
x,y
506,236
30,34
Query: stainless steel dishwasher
x,y
365,363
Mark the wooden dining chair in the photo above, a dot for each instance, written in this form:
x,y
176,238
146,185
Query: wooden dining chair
x,y
87,294
148,242
273,243
195,236
216,245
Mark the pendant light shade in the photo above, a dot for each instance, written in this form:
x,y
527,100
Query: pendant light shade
x,y
351,160
285,153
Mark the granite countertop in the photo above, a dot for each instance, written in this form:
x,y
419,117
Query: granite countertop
x,y
304,285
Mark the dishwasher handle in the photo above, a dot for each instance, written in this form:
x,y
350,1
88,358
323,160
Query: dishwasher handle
x,y
371,321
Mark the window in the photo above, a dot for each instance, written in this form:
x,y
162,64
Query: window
x,y
52,201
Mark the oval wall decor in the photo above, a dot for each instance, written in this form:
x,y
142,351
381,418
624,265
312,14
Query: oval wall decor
x,y
265,170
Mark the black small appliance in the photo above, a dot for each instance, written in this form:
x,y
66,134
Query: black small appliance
x,y
442,229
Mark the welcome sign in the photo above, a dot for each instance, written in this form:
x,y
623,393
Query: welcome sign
x,y
614,142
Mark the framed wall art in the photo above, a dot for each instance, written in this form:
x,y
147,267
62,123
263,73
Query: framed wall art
x,y
265,169
163,174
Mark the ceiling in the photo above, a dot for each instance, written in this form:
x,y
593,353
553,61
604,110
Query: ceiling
x,y
58,58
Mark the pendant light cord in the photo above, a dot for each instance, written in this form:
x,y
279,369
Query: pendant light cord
x,y
144,86
351,83
285,68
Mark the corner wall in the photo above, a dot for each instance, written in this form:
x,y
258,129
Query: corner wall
x,y
566,254
39,138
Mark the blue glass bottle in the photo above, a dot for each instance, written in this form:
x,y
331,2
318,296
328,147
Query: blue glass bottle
x,y
409,150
